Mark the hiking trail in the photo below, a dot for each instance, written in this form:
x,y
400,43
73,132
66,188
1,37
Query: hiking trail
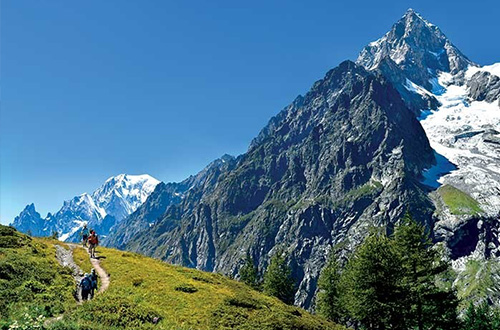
x,y
65,259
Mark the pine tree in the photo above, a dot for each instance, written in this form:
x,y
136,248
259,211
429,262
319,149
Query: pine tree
x,y
278,281
249,273
328,302
426,305
370,285
481,317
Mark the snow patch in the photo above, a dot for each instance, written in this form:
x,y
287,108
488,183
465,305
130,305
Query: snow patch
x,y
79,225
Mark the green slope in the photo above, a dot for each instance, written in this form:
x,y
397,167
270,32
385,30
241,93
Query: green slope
x,y
458,201
32,284
143,288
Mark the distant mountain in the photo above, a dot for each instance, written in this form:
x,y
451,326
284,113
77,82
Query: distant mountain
x,y
164,196
118,197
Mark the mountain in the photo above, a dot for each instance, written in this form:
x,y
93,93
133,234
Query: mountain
x,y
346,156
463,126
117,198
413,125
161,198
29,220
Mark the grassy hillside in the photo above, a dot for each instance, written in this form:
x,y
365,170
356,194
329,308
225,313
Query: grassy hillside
x,y
458,202
32,284
142,289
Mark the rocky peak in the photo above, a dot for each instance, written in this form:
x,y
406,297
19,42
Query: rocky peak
x,y
29,220
414,51
29,209
418,47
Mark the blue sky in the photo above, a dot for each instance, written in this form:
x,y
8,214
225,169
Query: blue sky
x,y
91,89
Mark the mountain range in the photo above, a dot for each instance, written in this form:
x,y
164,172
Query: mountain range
x,y
117,198
412,125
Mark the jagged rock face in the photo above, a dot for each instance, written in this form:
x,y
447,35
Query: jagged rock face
x,y
345,156
484,86
416,50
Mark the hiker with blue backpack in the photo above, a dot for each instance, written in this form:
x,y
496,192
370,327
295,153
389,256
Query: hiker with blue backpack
x,y
85,235
86,286
93,280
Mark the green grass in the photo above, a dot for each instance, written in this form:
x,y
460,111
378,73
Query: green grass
x,y
182,298
33,285
458,201
478,282
366,190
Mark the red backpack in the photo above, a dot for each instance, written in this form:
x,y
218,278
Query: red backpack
x,y
93,239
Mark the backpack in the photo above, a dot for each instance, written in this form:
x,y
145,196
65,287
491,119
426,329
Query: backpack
x,y
93,279
93,239
86,284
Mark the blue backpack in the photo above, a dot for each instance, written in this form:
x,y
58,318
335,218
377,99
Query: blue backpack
x,y
86,284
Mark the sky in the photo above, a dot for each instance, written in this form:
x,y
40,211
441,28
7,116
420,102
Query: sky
x,y
91,89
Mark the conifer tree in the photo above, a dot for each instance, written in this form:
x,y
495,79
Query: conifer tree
x,y
370,285
328,302
481,317
278,281
426,305
249,273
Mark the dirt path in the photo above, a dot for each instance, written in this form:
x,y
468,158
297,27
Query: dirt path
x,y
102,274
65,259
96,264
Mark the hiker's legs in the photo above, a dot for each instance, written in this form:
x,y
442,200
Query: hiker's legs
x,y
85,295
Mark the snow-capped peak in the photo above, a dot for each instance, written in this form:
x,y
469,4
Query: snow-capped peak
x,y
121,195
417,46
117,198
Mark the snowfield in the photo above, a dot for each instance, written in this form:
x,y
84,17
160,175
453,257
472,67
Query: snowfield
x,y
467,134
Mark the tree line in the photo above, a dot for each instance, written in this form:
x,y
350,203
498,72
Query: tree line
x,y
397,281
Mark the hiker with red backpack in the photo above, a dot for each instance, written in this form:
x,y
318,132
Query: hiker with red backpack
x,y
93,242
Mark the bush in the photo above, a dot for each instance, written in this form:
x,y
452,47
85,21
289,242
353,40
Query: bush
x,y
188,288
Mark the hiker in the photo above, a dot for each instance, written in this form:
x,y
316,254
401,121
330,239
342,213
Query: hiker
x,y
86,286
93,280
85,234
93,242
